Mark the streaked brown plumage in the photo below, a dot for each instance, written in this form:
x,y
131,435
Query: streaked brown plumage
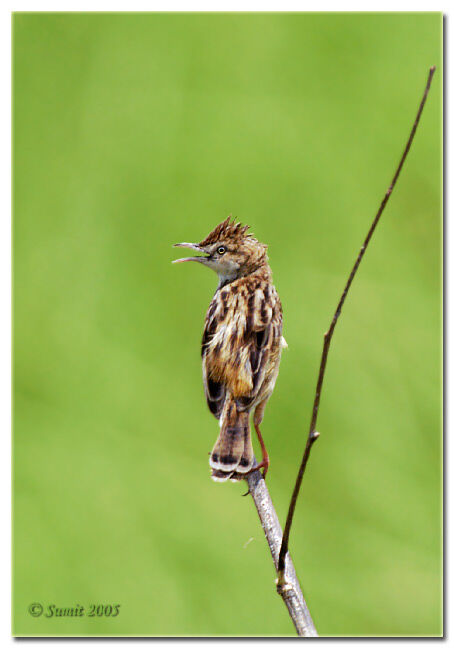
x,y
241,344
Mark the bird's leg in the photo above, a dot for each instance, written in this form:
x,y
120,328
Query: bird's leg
x,y
265,463
258,418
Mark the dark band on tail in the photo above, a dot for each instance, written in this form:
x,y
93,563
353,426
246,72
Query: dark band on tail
x,y
232,455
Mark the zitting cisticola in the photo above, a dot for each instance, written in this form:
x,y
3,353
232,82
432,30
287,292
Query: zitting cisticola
x,y
241,345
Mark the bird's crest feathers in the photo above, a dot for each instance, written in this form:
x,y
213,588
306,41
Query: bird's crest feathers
x,y
228,229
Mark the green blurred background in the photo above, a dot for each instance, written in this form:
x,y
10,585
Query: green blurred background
x,y
132,132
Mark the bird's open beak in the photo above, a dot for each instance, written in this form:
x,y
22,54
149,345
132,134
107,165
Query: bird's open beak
x,y
192,246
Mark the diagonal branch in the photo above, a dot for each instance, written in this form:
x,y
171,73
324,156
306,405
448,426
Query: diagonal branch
x,y
291,593
312,436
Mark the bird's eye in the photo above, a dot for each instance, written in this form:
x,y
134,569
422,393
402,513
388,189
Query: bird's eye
x,y
221,250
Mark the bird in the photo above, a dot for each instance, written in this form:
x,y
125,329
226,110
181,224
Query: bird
x,y
241,344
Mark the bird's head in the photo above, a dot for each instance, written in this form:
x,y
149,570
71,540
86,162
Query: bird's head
x,y
229,251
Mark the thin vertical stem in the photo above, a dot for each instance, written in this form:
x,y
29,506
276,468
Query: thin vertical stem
x,y
312,436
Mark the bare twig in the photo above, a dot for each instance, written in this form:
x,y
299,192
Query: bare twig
x,y
291,591
312,436
287,582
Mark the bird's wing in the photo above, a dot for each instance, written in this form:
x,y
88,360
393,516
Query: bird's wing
x,y
214,389
241,338
263,333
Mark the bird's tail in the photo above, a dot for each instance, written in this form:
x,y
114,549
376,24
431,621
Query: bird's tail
x,y
232,455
